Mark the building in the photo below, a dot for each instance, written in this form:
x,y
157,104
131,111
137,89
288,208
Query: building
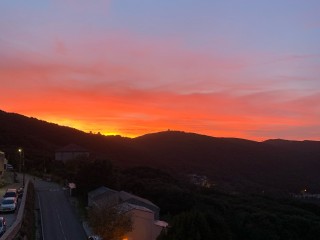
x,y
145,227
3,162
200,180
71,152
103,196
144,214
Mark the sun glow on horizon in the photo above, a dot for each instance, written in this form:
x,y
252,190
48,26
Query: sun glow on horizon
x,y
110,70
88,127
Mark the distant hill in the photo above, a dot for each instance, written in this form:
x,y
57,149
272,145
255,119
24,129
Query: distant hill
x,y
40,139
235,164
269,165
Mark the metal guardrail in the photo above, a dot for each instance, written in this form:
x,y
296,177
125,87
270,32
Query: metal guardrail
x,y
12,232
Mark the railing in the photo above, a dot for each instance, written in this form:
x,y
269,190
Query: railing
x,y
12,232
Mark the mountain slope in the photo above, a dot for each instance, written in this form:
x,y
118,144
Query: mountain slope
x,y
234,163
42,138
260,165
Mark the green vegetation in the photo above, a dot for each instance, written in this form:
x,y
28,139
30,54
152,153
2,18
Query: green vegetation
x,y
197,213
274,167
200,213
110,223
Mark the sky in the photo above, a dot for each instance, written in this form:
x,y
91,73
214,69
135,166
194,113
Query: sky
x,y
225,68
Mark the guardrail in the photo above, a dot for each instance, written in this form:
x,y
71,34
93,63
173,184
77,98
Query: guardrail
x,y
12,232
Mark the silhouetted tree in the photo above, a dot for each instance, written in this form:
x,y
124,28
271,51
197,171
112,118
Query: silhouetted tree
x,y
93,174
111,223
190,225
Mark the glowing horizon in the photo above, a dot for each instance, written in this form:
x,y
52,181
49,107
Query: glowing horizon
x,y
246,70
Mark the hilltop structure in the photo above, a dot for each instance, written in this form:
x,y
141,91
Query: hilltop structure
x,y
71,152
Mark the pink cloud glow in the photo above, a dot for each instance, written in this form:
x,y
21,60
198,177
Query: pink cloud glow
x,y
133,86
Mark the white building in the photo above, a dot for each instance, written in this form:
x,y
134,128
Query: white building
x,y
71,152
3,162
144,214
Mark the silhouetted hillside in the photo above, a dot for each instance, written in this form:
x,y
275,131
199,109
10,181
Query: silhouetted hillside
x,y
259,165
231,163
40,139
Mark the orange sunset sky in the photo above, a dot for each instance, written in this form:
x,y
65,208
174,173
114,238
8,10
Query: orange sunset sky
x,y
221,68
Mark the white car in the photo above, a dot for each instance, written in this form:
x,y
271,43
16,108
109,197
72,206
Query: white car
x,y
8,204
94,238
11,192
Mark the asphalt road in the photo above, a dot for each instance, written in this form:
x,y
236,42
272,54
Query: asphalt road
x,y
11,217
59,221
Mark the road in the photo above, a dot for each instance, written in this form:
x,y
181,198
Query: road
x,y
11,217
58,218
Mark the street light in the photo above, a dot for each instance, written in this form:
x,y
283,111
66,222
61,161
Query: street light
x,y
21,153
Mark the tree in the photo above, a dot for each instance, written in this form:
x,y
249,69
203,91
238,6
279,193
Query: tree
x,y
93,174
111,223
191,225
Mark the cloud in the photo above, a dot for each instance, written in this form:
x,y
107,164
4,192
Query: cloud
x,y
107,83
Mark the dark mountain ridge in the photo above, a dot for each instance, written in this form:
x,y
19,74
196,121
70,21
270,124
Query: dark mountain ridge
x,y
272,165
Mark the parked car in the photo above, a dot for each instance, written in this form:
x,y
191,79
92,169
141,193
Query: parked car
x,y
11,192
8,204
94,238
3,226
9,167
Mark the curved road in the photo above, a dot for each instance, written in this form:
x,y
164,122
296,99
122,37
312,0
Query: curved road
x,y
59,221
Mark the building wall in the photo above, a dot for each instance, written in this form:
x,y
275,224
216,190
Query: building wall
x,y
143,223
143,214
155,209
156,230
65,156
2,162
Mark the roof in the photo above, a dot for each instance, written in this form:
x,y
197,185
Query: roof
x,y
124,196
161,223
126,207
100,191
101,194
72,148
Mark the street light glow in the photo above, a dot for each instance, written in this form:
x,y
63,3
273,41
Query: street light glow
x,y
20,150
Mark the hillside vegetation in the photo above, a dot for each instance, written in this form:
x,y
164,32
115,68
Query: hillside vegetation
x,y
251,180
230,163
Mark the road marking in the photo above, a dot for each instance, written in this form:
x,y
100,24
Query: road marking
x,y
64,235
41,217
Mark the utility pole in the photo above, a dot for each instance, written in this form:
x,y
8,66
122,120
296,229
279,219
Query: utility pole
x,y
21,153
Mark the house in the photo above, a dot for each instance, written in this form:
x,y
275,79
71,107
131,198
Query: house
x,y
138,201
105,196
200,180
71,152
144,226
3,162
144,214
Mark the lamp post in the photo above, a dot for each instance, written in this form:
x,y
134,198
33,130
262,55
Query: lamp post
x,y
20,159
21,153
